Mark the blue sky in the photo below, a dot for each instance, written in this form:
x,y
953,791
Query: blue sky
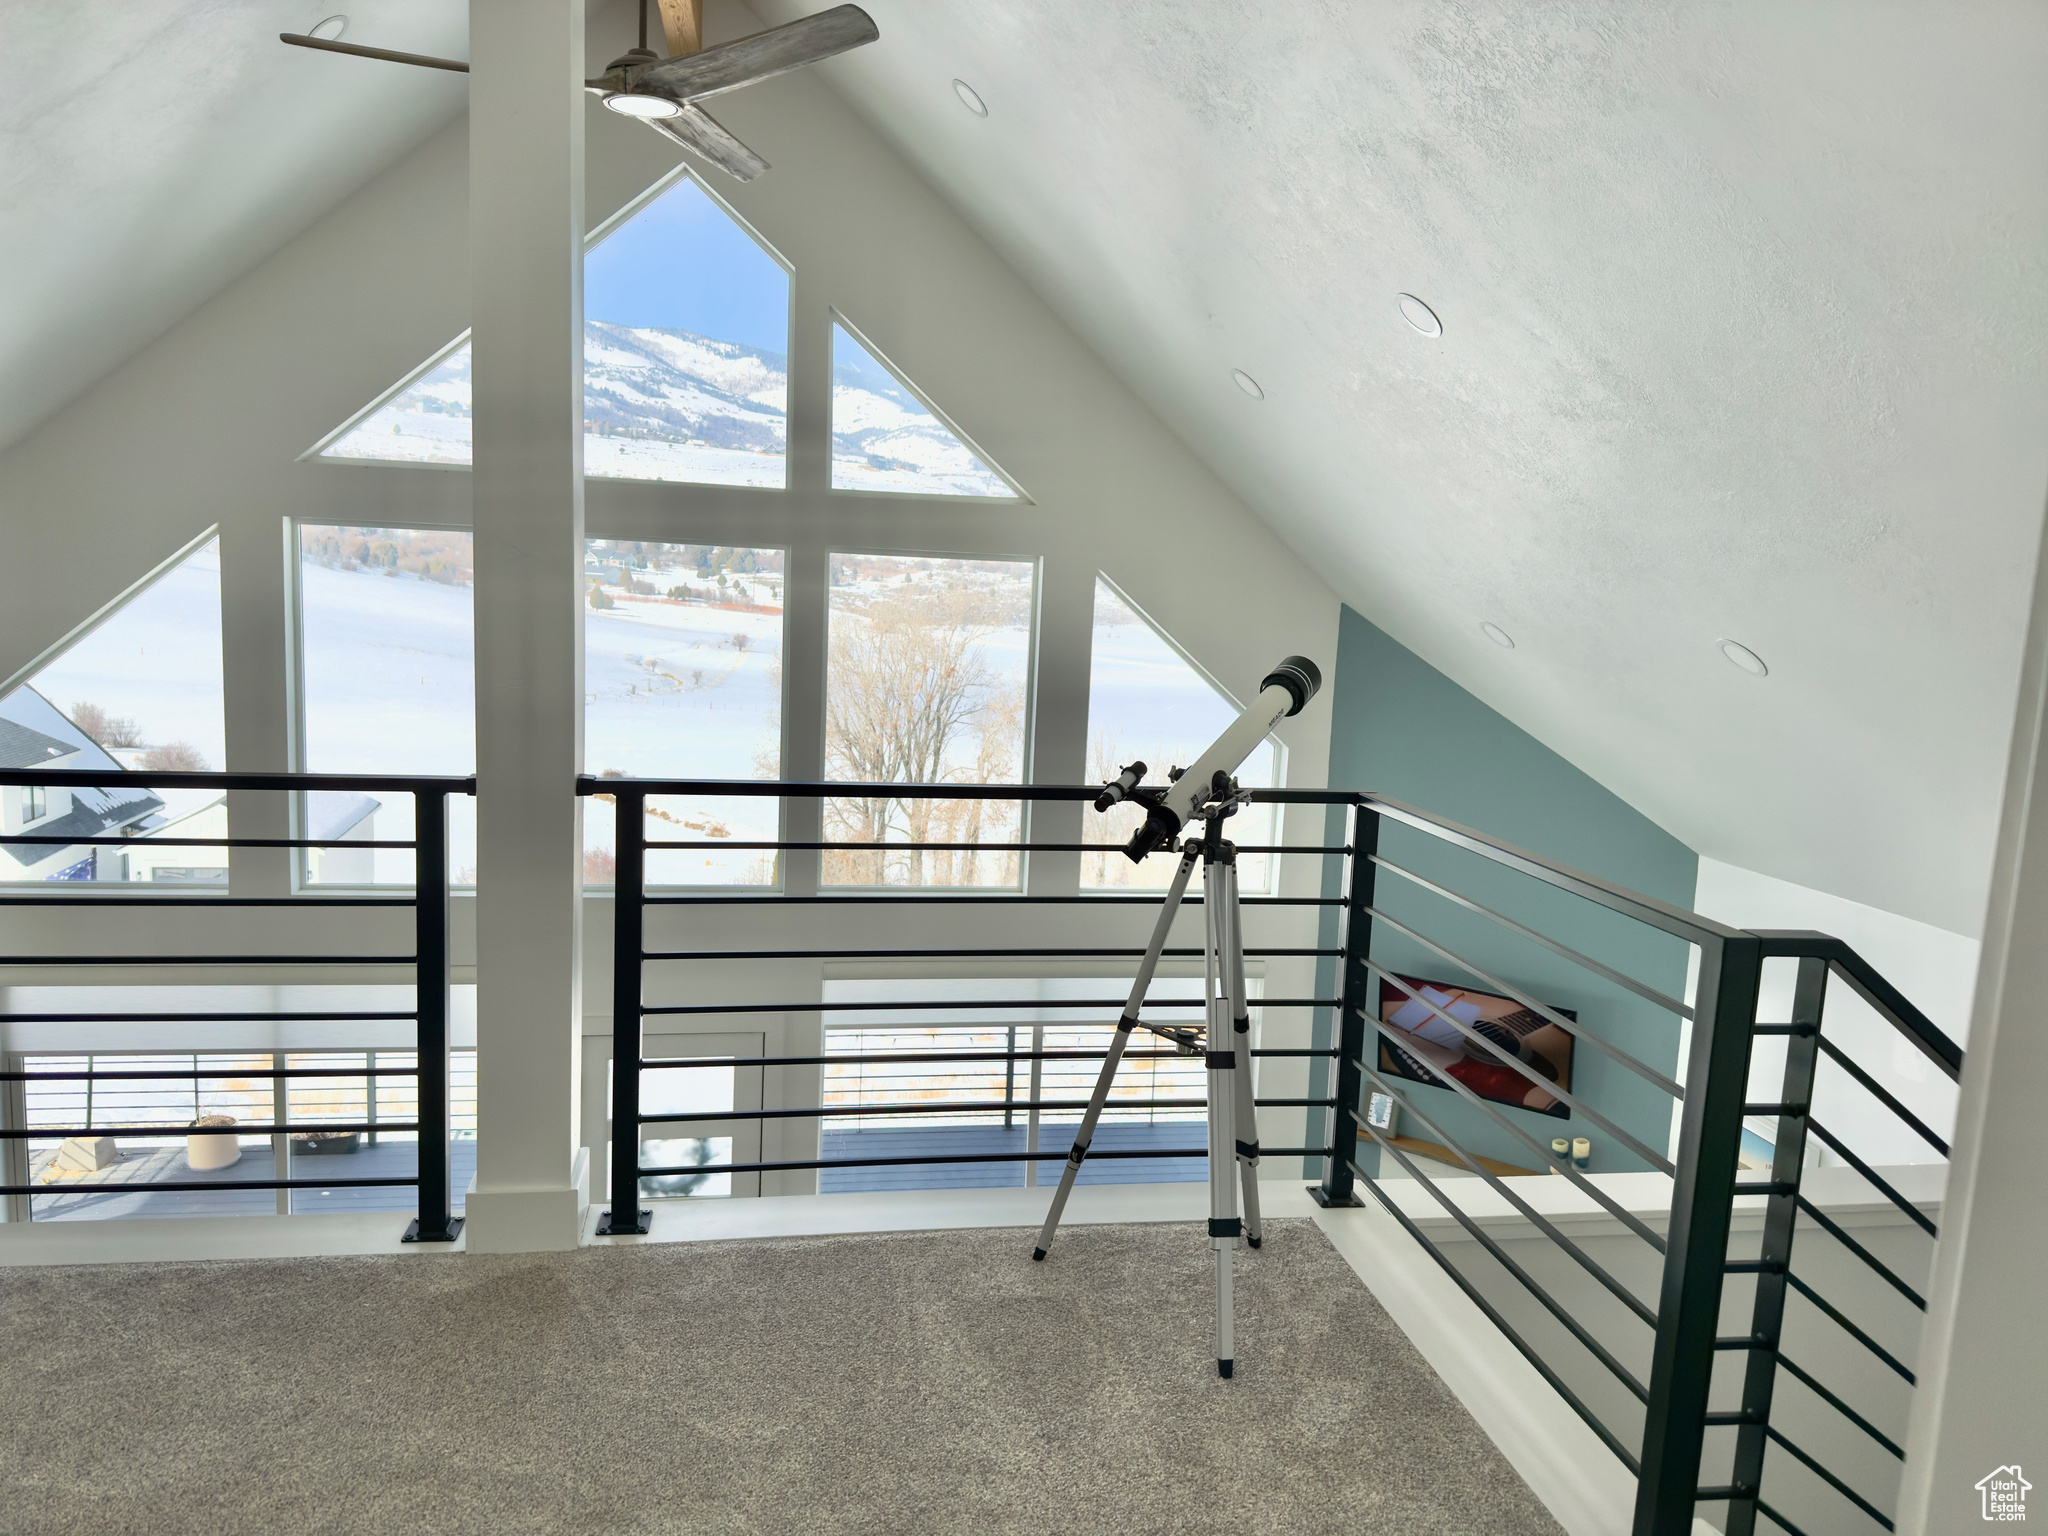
x,y
681,263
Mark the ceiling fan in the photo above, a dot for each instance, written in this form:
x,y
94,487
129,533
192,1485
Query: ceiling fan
x,y
664,93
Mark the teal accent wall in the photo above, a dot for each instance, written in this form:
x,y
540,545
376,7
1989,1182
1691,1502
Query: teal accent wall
x,y
1403,729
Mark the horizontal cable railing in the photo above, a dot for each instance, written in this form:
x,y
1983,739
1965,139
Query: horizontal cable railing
x,y
105,1106
1401,1035
1020,1059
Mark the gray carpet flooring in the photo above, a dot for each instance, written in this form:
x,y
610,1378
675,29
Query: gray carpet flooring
x,y
895,1383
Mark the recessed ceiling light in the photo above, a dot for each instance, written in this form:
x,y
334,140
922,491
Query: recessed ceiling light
x,y
1744,658
1419,315
1497,635
1247,383
331,29
628,105
970,99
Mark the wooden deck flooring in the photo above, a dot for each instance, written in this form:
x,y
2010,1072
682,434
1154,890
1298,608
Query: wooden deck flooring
x,y
967,1139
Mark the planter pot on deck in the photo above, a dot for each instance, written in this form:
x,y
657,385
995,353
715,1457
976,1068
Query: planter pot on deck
x,y
207,1151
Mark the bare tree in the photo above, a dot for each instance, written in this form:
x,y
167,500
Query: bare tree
x,y
910,683
108,730
175,757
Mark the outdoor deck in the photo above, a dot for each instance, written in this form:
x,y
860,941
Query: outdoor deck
x,y
143,1165
968,1139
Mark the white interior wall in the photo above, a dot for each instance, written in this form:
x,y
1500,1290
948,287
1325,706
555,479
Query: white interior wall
x,y
204,427
1936,969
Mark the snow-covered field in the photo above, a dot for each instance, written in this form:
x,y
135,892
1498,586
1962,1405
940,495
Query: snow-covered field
x,y
669,694
156,661
883,438
389,687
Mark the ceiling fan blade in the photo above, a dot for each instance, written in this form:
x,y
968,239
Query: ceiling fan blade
x,y
762,56
327,45
682,24
703,135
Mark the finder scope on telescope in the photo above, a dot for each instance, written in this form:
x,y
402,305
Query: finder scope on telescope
x,y
1286,689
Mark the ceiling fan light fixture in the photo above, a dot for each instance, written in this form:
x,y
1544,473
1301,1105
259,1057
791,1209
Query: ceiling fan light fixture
x,y
970,98
634,104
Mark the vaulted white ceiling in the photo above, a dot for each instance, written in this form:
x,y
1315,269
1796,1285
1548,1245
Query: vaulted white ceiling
x,y
150,154
1745,319
1745,335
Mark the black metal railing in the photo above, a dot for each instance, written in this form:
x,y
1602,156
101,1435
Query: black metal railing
x,y
1691,1247
428,961
631,956
1382,905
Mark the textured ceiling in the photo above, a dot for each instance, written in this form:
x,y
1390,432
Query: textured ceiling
x,y
1745,319
151,154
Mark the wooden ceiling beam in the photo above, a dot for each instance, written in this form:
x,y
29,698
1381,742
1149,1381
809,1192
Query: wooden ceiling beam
x,y
682,25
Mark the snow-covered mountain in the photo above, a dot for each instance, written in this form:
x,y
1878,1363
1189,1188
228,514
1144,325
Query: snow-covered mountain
x,y
663,404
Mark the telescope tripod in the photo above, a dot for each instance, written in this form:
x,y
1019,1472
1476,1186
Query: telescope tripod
x,y
1228,1022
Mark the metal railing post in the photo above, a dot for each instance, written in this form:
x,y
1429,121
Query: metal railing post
x,y
436,1222
1781,1216
629,916
1696,1246
1356,992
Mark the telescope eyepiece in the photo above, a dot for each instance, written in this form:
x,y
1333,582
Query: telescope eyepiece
x,y
1299,676
1119,788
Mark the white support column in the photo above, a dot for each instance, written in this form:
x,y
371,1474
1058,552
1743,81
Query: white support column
x,y
1984,1355
256,647
526,108
1059,727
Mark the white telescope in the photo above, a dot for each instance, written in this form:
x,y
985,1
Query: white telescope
x,y
1287,688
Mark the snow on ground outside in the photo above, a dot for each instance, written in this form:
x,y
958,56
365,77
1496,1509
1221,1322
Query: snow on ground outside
x,y
667,695
156,661
640,378
884,439
689,398
389,687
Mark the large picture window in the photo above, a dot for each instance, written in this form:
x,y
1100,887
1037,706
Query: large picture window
x,y
1147,701
682,661
926,682
387,684
685,365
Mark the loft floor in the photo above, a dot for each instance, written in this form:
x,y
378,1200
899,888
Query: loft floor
x,y
931,1381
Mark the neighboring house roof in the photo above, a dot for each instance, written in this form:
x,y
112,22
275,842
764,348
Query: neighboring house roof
x,y
21,747
95,811
337,812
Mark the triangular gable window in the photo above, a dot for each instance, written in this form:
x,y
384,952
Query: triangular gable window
x,y
1147,702
141,690
685,360
885,438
